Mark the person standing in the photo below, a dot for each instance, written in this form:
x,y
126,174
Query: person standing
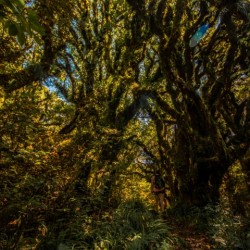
x,y
158,189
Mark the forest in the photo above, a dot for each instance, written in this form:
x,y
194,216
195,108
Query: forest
x,y
98,95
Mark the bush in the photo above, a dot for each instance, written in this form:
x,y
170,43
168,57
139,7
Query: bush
x,y
133,227
228,230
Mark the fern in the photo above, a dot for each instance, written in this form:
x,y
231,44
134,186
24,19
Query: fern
x,y
133,228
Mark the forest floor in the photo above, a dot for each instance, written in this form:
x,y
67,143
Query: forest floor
x,y
189,238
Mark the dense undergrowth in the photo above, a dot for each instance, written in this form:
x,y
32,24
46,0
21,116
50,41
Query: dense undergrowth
x,y
89,223
130,226
47,211
44,210
223,228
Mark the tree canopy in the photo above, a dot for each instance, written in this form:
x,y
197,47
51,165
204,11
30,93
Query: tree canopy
x,y
94,93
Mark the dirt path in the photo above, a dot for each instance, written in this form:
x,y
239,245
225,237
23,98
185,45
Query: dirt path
x,y
188,237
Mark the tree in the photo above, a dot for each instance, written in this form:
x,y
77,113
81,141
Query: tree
x,y
130,79
205,85
95,91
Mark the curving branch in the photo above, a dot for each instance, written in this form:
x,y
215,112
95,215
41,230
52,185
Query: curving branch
x,y
33,73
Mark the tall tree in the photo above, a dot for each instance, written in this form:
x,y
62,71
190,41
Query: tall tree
x,y
206,86
121,64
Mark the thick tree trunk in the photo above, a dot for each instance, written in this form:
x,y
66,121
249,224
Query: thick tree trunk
x,y
199,172
208,181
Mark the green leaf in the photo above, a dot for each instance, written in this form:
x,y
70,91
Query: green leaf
x,y
34,24
20,3
32,16
13,31
37,27
21,34
21,38
25,27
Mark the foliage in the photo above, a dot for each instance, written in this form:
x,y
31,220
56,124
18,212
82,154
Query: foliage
x,y
28,163
99,95
19,20
132,227
229,231
225,229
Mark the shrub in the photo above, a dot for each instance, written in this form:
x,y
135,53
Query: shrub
x,y
228,230
133,227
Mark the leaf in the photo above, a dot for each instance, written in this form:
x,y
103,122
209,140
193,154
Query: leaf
x,y
13,31
37,27
34,24
16,4
21,34
21,38
20,3
32,16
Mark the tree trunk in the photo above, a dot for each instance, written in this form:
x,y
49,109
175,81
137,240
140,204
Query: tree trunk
x,y
199,172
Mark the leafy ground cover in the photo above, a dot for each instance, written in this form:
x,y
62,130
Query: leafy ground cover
x,y
132,225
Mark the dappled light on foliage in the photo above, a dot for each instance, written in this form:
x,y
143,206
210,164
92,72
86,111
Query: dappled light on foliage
x,y
97,95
